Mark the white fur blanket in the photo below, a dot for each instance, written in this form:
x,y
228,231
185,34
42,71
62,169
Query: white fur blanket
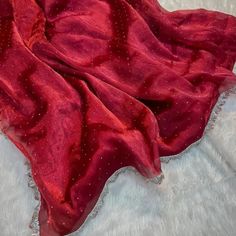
x,y
197,196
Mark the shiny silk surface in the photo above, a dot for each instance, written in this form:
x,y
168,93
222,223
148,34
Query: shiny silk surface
x,y
90,86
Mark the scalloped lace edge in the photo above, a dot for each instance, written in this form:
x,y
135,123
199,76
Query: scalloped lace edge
x,y
34,225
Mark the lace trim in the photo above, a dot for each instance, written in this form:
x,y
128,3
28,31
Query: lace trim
x,y
157,180
34,225
210,125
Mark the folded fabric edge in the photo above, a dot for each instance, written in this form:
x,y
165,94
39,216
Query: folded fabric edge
x,y
34,224
210,124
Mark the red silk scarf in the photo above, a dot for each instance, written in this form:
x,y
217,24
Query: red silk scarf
x,y
90,86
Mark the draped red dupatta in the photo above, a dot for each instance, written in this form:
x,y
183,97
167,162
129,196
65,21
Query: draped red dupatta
x,y
90,86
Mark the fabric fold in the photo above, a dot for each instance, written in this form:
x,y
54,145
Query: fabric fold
x,y
88,87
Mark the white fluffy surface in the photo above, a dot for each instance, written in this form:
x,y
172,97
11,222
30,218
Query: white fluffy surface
x,y
16,198
196,198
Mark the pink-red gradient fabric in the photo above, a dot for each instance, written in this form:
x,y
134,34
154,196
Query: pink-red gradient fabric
x,y
90,86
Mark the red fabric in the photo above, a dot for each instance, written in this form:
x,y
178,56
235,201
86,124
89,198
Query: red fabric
x,y
90,86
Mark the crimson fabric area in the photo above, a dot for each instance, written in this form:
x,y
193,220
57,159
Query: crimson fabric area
x,y
88,87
